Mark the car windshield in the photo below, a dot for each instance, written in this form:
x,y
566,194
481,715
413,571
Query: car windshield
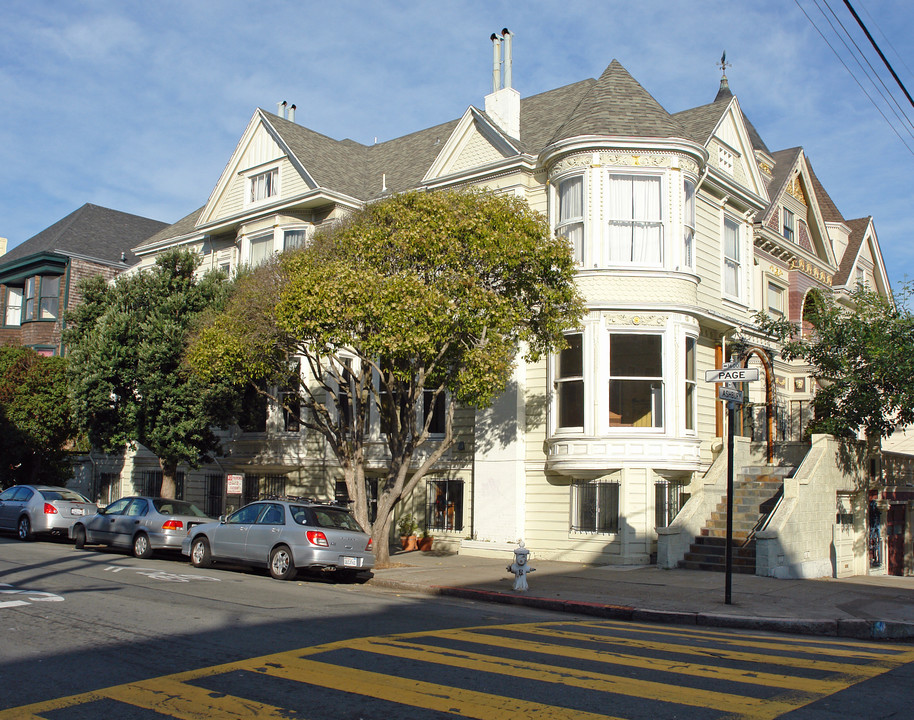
x,y
63,494
165,506
334,518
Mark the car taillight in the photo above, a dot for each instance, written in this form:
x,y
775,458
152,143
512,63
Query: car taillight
x,y
173,525
316,537
49,509
368,546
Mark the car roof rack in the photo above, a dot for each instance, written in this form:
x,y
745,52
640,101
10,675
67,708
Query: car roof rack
x,y
303,499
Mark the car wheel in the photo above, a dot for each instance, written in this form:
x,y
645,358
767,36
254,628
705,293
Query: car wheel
x,y
79,534
141,546
281,565
24,528
200,555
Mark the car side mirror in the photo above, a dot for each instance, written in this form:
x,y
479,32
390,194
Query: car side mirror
x,y
222,519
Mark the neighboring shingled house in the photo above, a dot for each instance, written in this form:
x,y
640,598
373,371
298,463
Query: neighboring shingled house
x,y
683,227
39,277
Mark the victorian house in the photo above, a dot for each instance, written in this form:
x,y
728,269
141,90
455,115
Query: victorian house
x,y
684,226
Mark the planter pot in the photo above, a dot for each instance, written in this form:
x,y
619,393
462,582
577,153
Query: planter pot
x,y
410,542
425,544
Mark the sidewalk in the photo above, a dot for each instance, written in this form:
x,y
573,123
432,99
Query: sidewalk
x,y
868,607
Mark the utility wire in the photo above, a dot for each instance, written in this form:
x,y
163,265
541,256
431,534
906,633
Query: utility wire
x,y
850,72
876,48
887,96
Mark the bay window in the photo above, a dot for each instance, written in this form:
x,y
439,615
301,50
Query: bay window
x,y
732,263
691,384
688,223
635,381
571,214
13,306
31,290
49,295
569,383
635,228
292,239
261,249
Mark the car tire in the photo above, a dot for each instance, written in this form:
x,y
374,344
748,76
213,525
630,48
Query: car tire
x,y
79,535
200,555
24,528
142,548
282,567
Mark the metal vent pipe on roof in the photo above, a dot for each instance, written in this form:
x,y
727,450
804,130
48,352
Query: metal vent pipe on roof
x,y
508,59
281,109
496,62
292,113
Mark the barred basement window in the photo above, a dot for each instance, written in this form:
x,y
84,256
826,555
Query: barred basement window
x,y
595,506
668,499
215,484
444,505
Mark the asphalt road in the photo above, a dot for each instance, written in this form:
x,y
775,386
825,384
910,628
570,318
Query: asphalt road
x,y
88,634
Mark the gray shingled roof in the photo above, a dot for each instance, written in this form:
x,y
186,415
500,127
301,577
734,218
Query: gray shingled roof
x,y
185,226
827,207
617,105
93,231
858,231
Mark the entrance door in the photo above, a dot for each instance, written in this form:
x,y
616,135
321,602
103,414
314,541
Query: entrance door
x,y
894,530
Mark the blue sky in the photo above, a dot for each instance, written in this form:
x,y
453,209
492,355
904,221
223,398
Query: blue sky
x,y
137,106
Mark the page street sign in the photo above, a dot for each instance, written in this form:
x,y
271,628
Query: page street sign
x,y
731,375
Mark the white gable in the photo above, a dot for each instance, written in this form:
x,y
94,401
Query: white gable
x,y
259,151
475,142
731,150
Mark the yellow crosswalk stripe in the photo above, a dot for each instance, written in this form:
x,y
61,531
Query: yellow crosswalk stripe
x,y
513,667
873,665
418,693
607,647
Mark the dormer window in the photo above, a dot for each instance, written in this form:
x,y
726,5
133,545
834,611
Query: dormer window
x,y
263,185
790,224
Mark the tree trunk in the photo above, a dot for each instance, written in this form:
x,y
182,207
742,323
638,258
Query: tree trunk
x,y
380,540
169,471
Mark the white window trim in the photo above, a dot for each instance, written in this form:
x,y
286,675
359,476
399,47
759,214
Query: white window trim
x,y
667,376
308,229
251,175
602,258
686,431
688,262
740,295
267,236
586,353
586,249
17,320
769,283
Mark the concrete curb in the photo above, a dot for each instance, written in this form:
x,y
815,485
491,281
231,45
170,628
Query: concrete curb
x,y
857,629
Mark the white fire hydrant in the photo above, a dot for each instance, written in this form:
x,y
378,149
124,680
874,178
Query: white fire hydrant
x,y
520,568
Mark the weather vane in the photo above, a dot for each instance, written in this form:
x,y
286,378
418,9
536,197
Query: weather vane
x,y
723,64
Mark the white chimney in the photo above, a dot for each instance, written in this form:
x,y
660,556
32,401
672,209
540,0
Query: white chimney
x,y
292,113
503,105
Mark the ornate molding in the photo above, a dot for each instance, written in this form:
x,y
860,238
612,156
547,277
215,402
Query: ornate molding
x,y
636,319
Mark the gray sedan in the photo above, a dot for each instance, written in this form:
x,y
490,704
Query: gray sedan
x,y
31,509
143,524
284,536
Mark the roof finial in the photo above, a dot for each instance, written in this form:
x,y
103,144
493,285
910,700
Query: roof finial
x,y
724,91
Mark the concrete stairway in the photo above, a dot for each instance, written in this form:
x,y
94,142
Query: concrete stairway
x,y
755,493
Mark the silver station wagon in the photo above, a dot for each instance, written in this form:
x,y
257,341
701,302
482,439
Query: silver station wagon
x,y
142,524
285,536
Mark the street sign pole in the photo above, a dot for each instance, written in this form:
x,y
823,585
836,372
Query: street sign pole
x,y
728,582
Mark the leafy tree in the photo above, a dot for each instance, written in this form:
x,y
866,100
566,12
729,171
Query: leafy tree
x,y
128,381
862,357
36,428
416,297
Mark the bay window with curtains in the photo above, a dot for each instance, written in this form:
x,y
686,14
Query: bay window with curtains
x,y
635,380
13,306
688,224
634,220
570,216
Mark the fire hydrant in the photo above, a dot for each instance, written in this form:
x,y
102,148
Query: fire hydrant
x,y
520,568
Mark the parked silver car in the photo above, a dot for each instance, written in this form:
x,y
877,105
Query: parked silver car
x,y
143,524
31,509
284,536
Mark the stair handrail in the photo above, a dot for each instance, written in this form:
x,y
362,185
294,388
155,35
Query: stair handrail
x,y
766,518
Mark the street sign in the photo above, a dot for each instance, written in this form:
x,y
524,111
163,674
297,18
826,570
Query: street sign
x,y
733,374
730,395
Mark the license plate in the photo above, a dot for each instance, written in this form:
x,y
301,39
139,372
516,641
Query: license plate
x,y
77,511
350,562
